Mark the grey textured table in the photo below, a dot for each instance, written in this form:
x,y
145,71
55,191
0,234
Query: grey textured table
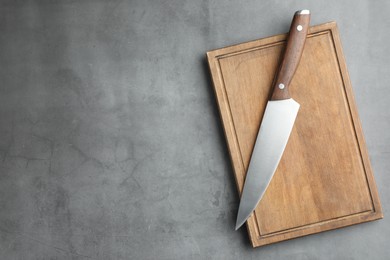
x,y
111,144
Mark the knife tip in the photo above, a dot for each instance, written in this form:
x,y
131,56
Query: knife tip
x,y
238,225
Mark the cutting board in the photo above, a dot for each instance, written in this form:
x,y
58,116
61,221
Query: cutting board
x,y
324,180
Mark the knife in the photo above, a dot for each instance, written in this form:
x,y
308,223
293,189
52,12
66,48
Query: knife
x,y
278,121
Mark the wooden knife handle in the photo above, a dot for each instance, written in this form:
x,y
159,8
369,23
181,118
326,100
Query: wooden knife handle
x,y
292,54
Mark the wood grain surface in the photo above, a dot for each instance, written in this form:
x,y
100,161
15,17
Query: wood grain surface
x,y
324,180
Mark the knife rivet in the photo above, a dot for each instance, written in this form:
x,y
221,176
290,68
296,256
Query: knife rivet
x,y
281,86
299,28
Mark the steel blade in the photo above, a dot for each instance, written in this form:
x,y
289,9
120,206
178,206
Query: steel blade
x,y
275,129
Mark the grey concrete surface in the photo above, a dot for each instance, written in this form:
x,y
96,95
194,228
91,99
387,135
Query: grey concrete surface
x,y
111,145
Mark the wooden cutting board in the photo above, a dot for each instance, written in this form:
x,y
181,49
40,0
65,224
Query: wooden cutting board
x,y
324,180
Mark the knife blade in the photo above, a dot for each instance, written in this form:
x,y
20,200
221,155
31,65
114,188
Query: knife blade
x,y
277,123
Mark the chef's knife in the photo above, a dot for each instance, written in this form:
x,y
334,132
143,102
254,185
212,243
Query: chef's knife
x,y
277,123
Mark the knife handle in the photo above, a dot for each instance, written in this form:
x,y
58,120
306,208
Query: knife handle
x,y
292,54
